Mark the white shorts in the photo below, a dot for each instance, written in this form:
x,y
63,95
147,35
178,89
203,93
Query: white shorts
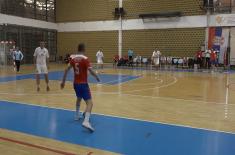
x,y
100,61
156,61
42,69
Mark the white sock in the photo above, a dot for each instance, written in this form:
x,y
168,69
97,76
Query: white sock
x,y
77,110
87,117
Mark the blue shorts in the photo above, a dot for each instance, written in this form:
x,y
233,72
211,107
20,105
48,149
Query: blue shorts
x,y
82,91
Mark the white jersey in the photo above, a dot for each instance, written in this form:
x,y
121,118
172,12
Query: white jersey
x,y
208,53
99,56
156,54
41,55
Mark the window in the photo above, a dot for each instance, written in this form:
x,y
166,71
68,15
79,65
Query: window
x,y
28,39
36,9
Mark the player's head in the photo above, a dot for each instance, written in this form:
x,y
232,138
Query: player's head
x,y
81,48
17,48
42,44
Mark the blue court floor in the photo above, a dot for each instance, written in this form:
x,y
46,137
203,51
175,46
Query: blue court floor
x,y
120,135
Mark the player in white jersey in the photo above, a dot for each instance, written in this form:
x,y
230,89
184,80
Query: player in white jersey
x,y
41,58
156,58
100,59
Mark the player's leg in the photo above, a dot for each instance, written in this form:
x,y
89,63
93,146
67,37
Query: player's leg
x,y
89,105
17,65
45,72
37,76
78,103
47,81
102,65
86,122
38,81
78,90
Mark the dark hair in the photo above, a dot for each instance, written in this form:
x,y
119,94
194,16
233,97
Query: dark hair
x,y
81,47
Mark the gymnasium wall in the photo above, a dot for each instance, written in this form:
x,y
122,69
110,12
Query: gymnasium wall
x,y
92,22
97,10
67,43
85,10
187,7
171,42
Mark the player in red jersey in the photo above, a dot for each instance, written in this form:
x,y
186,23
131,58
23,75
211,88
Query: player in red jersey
x,y
81,66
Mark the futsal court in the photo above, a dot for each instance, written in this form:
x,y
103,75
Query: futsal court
x,y
135,112
166,71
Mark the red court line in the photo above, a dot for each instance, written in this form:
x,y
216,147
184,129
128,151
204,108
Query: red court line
x,y
36,146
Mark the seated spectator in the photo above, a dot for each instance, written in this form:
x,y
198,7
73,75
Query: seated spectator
x,y
67,58
199,60
138,60
125,60
145,61
115,61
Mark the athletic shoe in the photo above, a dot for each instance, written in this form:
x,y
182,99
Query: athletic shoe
x,y
88,126
77,118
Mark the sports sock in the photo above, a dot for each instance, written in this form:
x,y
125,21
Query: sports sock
x,y
87,117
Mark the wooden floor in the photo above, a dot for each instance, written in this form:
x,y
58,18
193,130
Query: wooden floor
x,y
200,100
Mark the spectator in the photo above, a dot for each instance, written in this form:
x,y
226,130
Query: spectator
x,y
213,59
17,57
208,56
115,61
130,57
156,58
100,59
199,59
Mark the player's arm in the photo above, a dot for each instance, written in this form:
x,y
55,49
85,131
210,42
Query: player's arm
x,y
94,74
35,57
34,60
22,56
47,59
65,75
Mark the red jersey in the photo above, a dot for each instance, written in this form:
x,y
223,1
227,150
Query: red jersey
x,y
116,58
80,64
213,55
199,54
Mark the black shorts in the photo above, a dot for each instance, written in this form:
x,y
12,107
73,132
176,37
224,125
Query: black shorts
x,y
130,58
199,60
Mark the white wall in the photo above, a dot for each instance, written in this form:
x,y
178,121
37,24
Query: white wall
x,y
14,20
132,24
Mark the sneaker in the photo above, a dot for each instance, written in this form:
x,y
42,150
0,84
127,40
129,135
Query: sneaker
x,y
88,126
77,118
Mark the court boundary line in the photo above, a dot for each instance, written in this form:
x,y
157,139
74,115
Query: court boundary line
x,y
128,118
36,146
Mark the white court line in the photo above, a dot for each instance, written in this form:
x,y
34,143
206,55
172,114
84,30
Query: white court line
x,y
117,80
163,86
116,93
122,93
129,118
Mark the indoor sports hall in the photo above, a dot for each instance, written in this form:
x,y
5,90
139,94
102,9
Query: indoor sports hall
x,y
106,77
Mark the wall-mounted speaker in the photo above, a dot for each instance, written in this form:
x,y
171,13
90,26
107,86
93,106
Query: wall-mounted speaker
x,y
119,12
208,3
